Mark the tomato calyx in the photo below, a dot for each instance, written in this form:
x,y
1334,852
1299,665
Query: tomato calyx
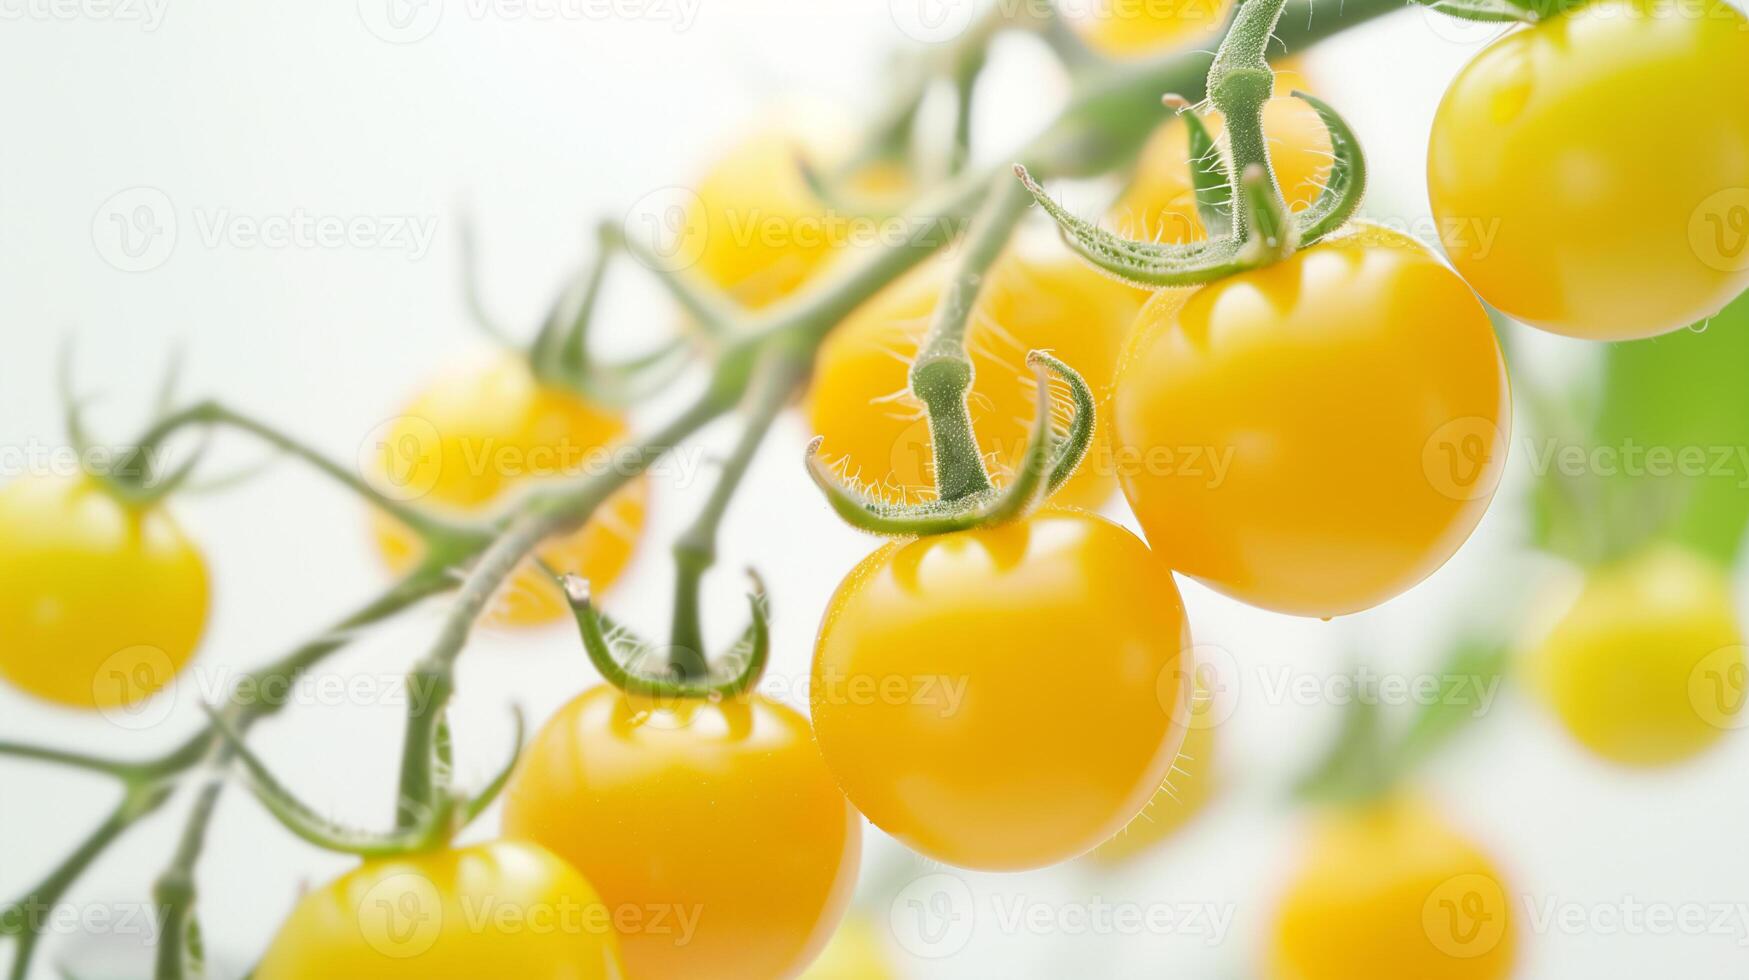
x,y
1248,220
438,819
559,353
622,656
941,378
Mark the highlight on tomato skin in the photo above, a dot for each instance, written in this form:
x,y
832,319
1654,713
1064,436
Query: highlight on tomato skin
x,y
926,675
1567,220
1326,397
719,815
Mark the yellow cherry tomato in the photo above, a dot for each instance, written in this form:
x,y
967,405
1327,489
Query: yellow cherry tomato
x,y
1040,298
1187,791
855,953
756,230
1567,219
1646,667
503,909
101,604
465,444
1317,436
1160,202
717,824
1389,892
1008,697
1138,28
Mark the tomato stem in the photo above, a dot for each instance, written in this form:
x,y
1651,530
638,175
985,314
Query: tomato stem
x,y
695,550
942,372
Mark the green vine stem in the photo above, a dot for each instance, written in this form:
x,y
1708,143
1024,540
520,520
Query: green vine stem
x,y
1240,82
941,374
445,538
149,784
695,550
1112,111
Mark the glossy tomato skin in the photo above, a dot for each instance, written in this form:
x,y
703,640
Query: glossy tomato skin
x,y
1390,891
1565,218
1037,297
1317,436
1189,788
1645,664
1160,202
466,444
503,909
101,604
1004,698
721,814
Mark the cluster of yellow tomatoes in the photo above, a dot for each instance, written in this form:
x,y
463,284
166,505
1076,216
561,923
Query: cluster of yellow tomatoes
x,y
1313,438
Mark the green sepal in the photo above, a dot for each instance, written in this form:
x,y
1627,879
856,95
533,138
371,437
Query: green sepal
x,y
1209,178
1046,463
639,667
1484,11
1345,186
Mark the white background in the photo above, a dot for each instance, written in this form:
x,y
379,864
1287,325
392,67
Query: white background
x,y
543,125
